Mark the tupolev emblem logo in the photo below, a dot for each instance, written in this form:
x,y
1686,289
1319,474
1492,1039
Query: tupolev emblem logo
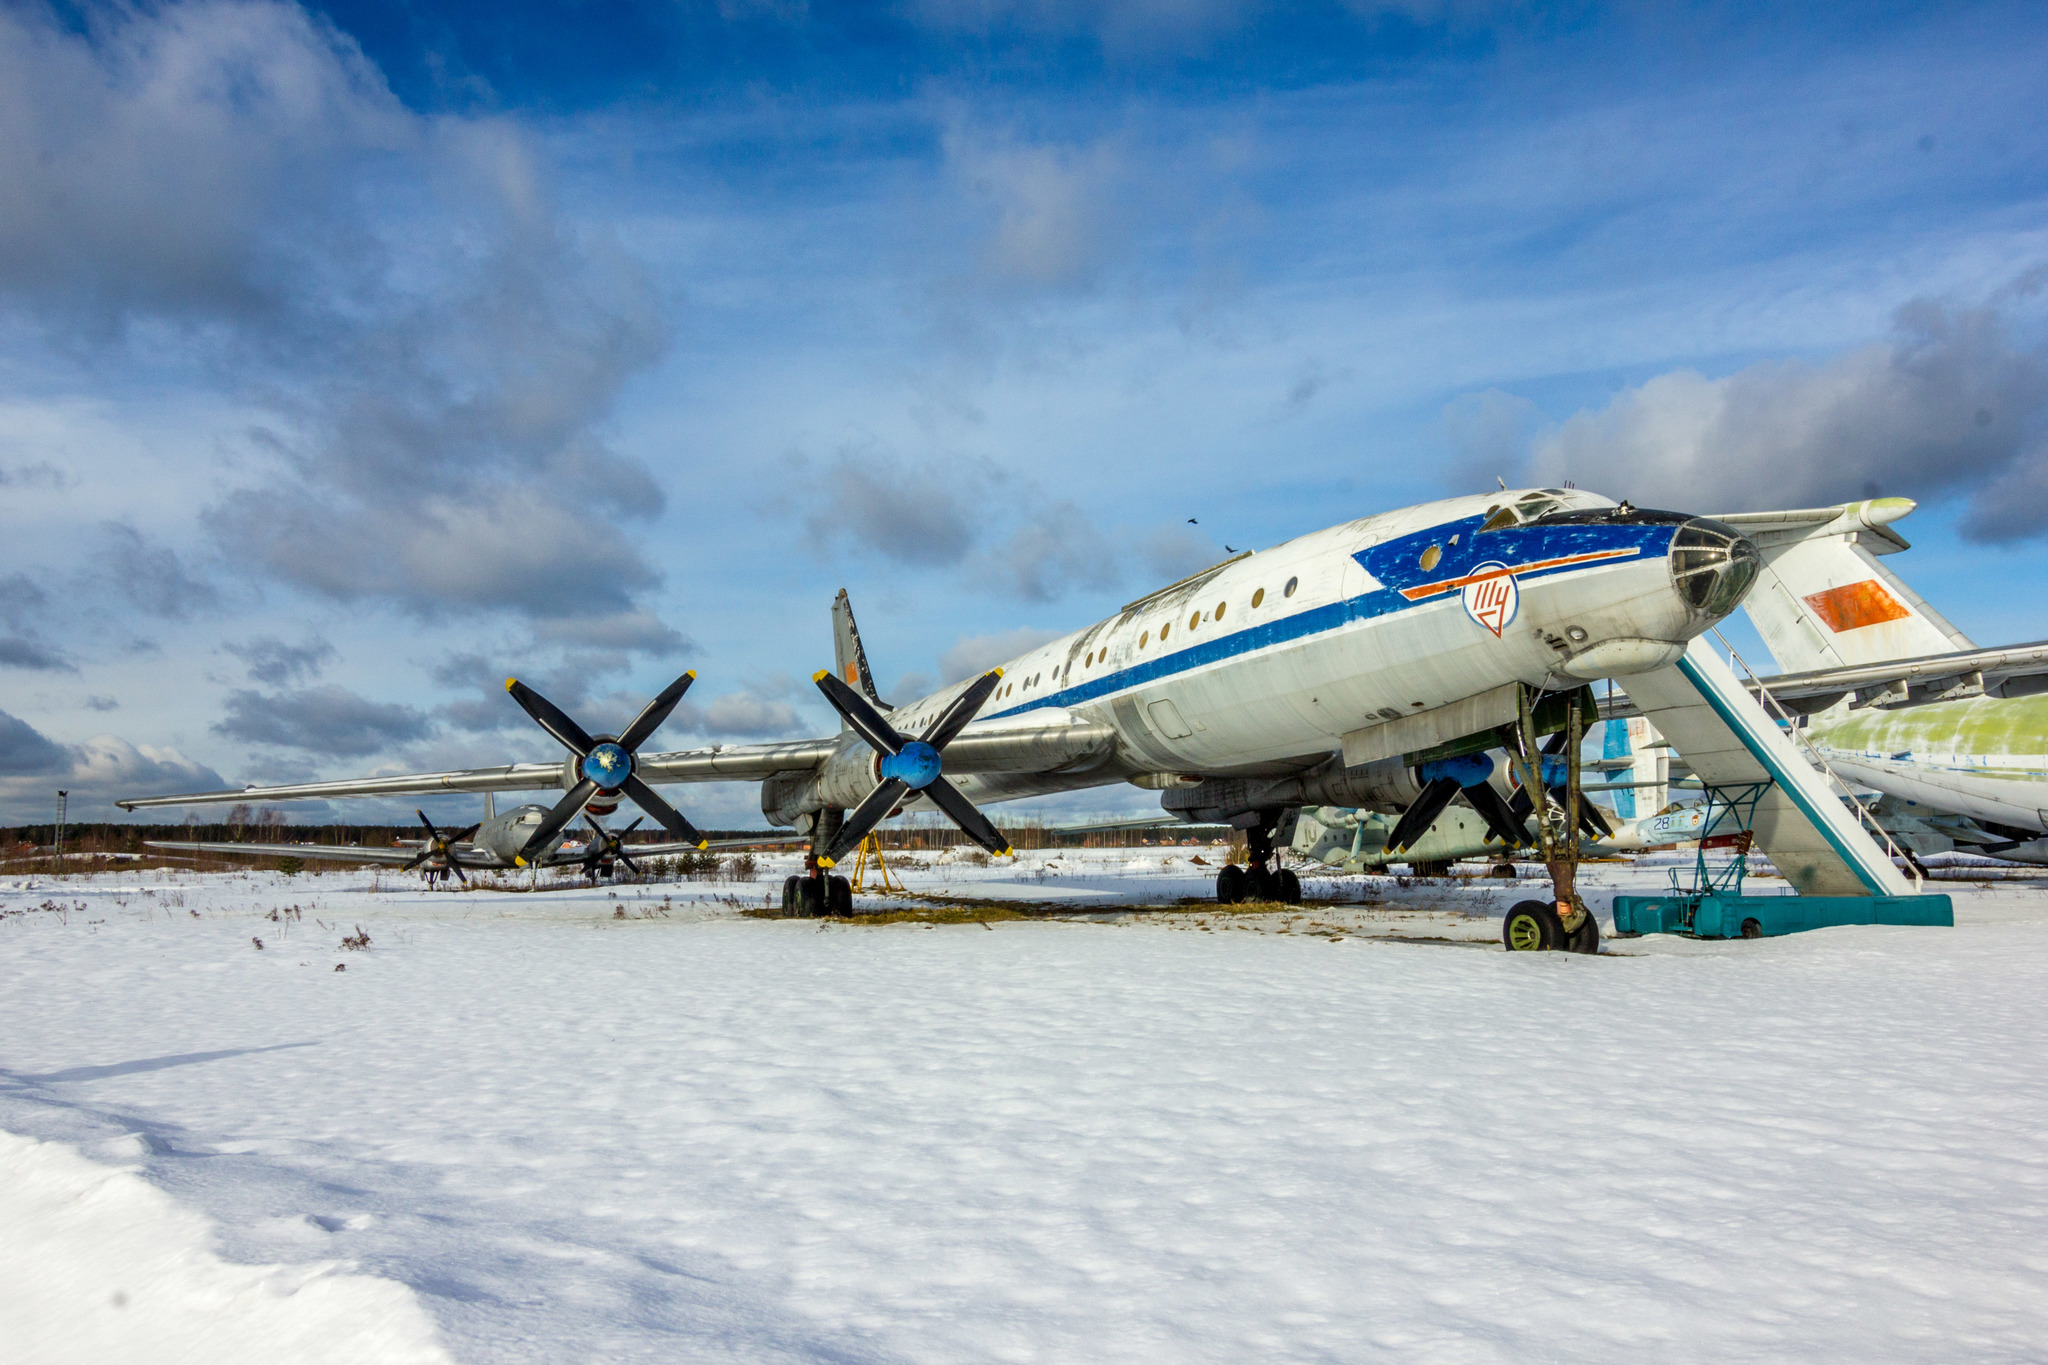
x,y
1491,597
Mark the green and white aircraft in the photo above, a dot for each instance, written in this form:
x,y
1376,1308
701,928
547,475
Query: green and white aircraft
x,y
1894,697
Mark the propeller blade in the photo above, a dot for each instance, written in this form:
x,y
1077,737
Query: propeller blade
x,y
1494,810
631,866
961,812
859,713
963,709
552,719
1422,813
874,807
466,833
638,820
664,814
1593,820
431,831
650,718
424,854
1519,805
551,823
591,820
457,867
1555,744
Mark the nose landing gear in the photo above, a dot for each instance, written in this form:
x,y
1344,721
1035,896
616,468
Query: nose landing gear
x,y
1564,924
815,893
1264,879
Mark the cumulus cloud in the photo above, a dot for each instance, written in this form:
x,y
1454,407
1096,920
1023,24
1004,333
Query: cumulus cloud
x,y
974,654
17,651
271,660
437,344
1171,553
1052,209
1056,549
324,720
24,750
37,474
1950,404
151,576
923,514
95,773
741,715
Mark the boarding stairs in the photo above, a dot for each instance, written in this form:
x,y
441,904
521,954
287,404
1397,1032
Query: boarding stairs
x,y
1831,852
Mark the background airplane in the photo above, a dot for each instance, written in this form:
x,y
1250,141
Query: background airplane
x,y
494,843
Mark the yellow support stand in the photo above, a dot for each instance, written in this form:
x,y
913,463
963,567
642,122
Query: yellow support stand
x,y
870,850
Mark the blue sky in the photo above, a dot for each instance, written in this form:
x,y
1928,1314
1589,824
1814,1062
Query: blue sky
x,y
352,358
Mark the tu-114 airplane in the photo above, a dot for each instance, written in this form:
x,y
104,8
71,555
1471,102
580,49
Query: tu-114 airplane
x,y
1328,670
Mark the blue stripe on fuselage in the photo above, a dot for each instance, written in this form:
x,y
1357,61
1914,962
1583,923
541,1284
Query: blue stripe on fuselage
x,y
1396,564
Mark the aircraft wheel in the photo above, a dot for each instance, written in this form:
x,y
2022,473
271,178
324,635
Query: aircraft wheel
x,y
791,907
1585,939
839,896
1286,887
811,898
1258,884
1752,929
1230,885
1531,927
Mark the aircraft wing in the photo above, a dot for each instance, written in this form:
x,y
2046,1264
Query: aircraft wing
x,y
331,853
1024,745
1930,677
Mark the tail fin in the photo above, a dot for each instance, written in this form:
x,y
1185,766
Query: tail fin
x,y
1823,600
850,661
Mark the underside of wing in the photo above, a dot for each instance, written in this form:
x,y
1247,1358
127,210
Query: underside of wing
x,y
389,857
511,777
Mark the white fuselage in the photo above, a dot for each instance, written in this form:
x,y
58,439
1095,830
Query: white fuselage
x,y
1264,665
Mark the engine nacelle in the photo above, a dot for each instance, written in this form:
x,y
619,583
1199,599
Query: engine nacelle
x,y
843,782
1387,784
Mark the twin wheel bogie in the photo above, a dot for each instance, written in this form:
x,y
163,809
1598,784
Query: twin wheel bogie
x,y
1237,885
817,898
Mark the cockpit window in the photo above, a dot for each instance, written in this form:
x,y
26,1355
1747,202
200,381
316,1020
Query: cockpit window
x,y
1498,517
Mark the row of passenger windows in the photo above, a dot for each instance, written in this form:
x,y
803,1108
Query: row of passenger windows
x,y
1097,656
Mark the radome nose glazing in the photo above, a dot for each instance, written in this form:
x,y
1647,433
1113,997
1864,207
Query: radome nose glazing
x,y
1712,566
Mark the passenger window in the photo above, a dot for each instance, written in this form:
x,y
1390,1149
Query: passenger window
x,y
1194,620
1219,609
1144,638
1431,557
1162,632
1292,584
1258,597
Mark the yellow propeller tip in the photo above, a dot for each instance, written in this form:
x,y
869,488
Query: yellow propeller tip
x,y
703,844
997,671
511,683
690,673
821,675
518,861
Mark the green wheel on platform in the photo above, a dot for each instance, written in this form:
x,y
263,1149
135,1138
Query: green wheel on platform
x,y
1531,927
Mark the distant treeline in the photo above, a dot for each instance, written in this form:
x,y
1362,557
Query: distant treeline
x,y
124,838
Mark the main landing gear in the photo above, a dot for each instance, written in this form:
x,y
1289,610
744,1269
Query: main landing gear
x,y
1264,880
1563,923
814,893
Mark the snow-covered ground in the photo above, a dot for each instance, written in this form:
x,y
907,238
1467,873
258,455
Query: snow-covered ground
x,y
579,1126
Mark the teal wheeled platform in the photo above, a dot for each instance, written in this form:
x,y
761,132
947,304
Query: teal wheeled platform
x,y
1738,916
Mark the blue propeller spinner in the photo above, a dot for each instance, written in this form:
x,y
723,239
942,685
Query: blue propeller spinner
x,y
905,766
604,764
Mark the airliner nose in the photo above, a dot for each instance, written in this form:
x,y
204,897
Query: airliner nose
x,y
1712,566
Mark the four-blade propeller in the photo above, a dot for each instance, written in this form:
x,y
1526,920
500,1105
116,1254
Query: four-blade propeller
x,y
1442,780
439,853
609,844
607,764
909,765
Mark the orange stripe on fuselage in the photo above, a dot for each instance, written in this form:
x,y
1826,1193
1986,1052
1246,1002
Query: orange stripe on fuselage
x,y
1453,584
1856,604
